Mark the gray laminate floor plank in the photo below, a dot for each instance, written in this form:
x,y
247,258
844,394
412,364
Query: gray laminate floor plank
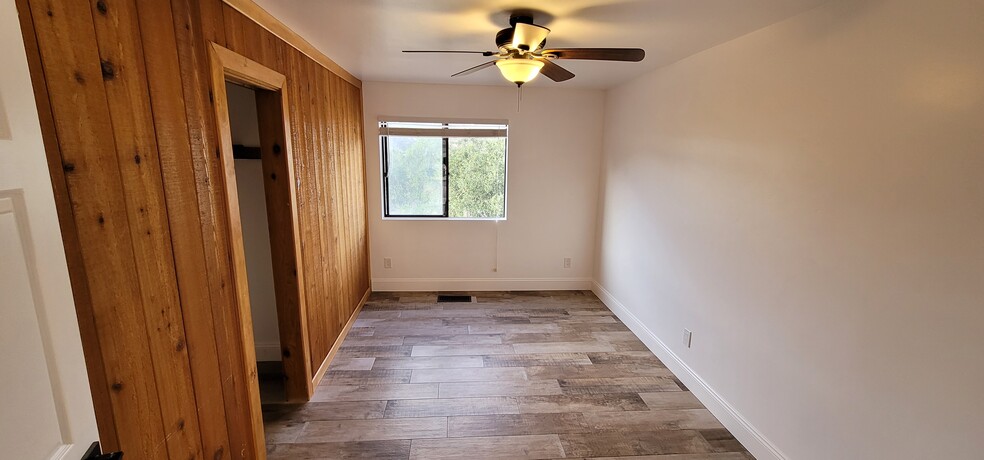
x,y
376,450
429,362
481,389
595,371
482,374
374,429
512,447
403,408
542,374
518,424
375,392
333,410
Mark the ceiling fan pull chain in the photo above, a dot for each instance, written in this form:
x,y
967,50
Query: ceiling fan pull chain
x,y
519,99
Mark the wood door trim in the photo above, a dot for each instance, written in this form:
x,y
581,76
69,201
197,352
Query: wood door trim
x,y
288,281
284,224
222,60
240,69
226,65
266,20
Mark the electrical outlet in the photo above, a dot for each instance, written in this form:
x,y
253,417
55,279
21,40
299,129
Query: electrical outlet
x,y
387,262
687,337
567,262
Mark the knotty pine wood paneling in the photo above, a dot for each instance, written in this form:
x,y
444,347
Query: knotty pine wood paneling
x,y
123,93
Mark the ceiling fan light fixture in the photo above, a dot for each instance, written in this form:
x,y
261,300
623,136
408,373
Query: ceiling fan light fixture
x,y
519,71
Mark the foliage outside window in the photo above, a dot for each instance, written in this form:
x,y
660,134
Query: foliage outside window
x,y
443,170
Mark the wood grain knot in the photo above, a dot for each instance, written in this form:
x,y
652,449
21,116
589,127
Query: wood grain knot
x,y
108,69
102,220
101,6
136,158
276,148
79,78
68,167
219,453
117,386
180,345
273,176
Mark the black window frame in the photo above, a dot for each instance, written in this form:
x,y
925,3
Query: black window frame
x,y
445,147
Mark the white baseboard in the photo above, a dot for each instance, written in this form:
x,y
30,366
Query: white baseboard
x,y
268,352
750,437
480,284
62,452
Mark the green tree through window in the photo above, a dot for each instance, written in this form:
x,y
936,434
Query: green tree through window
x,y
417,184
416,176
477,177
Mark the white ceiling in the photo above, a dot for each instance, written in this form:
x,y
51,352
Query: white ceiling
x,y
366,36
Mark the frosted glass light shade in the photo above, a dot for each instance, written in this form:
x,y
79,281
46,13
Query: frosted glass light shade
x,y
519,71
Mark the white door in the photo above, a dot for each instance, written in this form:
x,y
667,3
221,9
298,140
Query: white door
x,y
45,406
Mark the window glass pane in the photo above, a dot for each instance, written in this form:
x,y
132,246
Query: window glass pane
x,y
416,176
477,177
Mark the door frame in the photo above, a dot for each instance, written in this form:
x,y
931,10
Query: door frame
x,y
279,184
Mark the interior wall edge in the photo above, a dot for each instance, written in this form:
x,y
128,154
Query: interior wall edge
x,y
754,440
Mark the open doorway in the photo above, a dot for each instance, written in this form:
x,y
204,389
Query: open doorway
x,y
247,154
258,183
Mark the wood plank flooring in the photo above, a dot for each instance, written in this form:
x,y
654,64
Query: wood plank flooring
x,y
521,375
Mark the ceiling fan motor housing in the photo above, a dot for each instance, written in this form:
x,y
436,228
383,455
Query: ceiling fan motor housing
x,y
504,38
525,17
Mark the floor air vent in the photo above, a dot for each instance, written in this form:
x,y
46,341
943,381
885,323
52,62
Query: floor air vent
x,y
454,298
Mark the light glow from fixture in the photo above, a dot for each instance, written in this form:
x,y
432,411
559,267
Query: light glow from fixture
x,y
519,71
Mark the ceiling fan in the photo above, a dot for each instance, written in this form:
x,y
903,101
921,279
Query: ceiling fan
x,y
523,53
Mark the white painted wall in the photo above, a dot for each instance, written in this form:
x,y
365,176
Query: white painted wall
x,y
243,120
45,405
554,155
256,230
809,200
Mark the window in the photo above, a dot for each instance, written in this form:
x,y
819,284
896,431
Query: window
x,y
443,170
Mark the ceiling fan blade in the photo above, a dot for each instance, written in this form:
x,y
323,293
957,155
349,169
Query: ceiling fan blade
x,y
474,69
483,53
528,36
554,71
597,54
